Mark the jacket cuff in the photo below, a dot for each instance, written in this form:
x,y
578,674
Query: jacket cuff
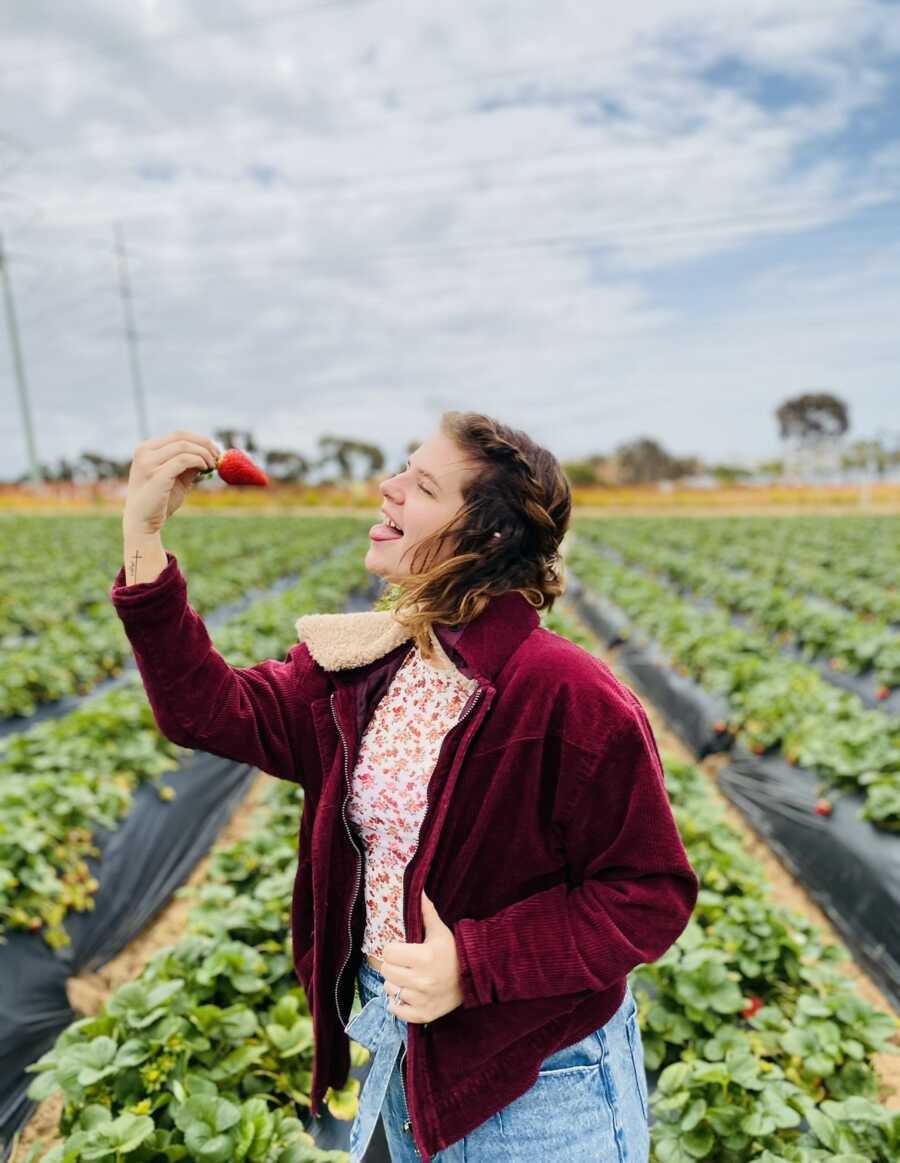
x,y
466,954
149,600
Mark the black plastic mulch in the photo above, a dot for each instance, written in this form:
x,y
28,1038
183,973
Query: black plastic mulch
x,y
849,866
697,717
151,853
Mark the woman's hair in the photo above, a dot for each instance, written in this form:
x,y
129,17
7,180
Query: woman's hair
x,y
517,489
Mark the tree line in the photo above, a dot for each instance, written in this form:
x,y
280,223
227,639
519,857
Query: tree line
x,y
811,428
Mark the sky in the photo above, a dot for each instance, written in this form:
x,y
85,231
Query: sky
x,y
592,221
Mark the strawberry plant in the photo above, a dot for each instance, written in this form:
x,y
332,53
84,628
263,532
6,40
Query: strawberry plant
x,y
775,703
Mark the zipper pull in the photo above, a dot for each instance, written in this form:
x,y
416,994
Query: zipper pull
x,y
407,1127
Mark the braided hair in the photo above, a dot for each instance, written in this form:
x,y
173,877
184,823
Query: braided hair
x,y
506,535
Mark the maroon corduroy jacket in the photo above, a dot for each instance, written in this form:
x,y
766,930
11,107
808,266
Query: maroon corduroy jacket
x,y
548,844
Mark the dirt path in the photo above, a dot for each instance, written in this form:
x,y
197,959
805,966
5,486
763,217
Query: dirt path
x,y
785,888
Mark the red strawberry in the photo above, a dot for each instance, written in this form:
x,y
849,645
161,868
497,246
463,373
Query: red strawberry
x,y
236,468
823,807
755,1004
882,692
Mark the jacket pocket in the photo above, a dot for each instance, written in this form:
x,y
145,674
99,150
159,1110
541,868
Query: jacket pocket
x,y
303,927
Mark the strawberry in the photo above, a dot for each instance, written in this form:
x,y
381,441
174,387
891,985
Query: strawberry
x,y
236,468
883,692
755,1004
823,807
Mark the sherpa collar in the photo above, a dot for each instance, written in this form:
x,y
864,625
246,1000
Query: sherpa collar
x,y
343,641
339,641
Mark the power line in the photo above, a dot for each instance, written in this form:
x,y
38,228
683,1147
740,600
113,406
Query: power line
x,y
365,189
612,232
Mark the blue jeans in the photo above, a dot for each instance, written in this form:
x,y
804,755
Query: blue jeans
x,y
588,1104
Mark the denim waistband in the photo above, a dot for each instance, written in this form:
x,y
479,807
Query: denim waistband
x,y
370,970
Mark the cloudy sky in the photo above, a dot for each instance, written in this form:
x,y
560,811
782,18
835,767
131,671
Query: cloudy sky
x,y
593,220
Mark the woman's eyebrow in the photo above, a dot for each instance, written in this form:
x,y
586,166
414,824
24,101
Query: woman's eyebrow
x,y
425,473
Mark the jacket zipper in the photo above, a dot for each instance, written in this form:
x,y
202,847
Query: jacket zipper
x,y
407,1125
358,862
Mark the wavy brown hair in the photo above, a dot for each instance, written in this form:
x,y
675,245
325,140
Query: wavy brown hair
x,y
517,489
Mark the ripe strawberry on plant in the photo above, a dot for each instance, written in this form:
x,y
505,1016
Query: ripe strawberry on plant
x,y
823,807
754,1004
882,692
236,468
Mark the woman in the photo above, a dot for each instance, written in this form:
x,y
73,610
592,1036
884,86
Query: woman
x,y
446,738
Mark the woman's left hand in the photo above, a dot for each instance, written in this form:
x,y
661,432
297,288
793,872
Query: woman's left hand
x,y
427,972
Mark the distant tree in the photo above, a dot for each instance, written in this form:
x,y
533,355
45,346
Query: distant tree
x,y
813,418
868,454
94,466
64,471
285,465
236,438
815,423
641,460
729,474
686,466
371,457
580,472
341,450
644,460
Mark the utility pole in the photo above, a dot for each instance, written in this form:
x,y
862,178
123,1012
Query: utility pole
x,y
131,334
19,367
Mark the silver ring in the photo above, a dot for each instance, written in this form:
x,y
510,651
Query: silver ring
x,y
397,1000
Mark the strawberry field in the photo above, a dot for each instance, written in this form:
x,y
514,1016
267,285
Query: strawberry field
x,y
769,644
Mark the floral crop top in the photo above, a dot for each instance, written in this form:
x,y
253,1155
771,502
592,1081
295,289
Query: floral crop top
x,y
397,755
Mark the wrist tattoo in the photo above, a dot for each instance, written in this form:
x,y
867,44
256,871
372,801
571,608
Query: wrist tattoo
x,y
134,562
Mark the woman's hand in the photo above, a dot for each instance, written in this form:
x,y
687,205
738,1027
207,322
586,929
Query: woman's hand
x,y
162,472
428,972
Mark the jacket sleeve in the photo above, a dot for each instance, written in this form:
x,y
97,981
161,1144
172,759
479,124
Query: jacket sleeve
x,y
249,714
632,894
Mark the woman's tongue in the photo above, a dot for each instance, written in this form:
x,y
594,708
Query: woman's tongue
x,y
384,533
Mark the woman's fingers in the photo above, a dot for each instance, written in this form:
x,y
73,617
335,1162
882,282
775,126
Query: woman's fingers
x,y
182,434
154,458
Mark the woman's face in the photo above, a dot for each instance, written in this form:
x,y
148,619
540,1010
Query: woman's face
x,y
421,499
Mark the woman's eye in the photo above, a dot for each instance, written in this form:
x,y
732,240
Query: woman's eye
x,y
427,492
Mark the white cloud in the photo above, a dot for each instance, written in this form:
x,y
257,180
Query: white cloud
x,y
327,229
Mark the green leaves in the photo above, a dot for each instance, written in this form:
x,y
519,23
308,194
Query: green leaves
x,y
774,702
65,778
212,1044
140,1005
